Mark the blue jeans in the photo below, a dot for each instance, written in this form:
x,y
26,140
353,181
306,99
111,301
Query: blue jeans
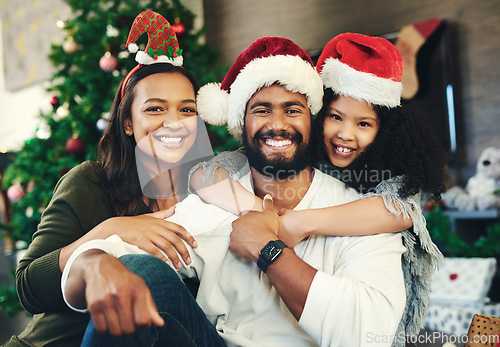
x,y
185,322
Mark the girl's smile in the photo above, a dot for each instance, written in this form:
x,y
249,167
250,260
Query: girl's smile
x,y
350,126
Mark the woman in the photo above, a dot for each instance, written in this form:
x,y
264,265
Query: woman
x,y
154,110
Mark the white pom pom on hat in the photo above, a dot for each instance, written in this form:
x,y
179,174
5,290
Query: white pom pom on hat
x,y
214,102
133,48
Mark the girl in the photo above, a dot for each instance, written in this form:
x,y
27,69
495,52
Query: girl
x,y
371,144
154,110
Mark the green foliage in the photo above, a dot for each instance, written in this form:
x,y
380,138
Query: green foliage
x,y
452,245
88,91
8,300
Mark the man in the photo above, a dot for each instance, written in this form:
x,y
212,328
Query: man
x,y
326,291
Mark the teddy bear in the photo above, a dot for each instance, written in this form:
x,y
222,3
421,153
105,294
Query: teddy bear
x,y
482,191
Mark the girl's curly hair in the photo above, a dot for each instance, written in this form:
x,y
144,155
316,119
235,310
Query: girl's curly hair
x,y
403,147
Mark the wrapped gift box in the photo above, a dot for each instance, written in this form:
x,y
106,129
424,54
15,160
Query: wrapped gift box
x,y
458,291
455,320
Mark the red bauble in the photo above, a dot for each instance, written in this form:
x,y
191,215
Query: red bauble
x,y
179,29
75,146
15,193
54,101
107,62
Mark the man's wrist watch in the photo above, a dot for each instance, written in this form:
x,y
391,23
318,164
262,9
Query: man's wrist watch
x,y
270,253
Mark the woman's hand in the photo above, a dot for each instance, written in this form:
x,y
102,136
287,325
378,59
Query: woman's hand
x,y
292,226
150,232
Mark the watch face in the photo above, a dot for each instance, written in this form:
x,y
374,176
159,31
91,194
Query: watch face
x,y
270,252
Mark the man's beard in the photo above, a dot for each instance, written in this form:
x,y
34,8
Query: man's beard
x,y
278,167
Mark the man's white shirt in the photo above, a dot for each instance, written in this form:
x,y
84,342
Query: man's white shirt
x,y
357,296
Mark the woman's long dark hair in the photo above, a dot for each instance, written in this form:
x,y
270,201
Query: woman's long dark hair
x,y
117,150
402,147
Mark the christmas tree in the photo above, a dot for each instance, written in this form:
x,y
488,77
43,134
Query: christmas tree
x,y
90,63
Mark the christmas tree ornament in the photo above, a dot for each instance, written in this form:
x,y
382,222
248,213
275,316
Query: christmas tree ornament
x,y
410,39
75,146
179,28
111,31
162,46
69,45
62,112
108,62
15,193
54,101
101,124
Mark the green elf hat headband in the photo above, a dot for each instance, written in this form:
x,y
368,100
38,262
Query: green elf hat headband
x,y
162,47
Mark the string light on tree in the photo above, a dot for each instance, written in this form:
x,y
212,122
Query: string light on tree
x,y
111,31
61,24
43,131
29,212
101,124
179,28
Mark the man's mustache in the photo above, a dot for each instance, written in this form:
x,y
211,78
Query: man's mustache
x,y
297,137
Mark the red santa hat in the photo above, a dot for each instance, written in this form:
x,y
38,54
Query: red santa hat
x,y
363,67
162,46
266,61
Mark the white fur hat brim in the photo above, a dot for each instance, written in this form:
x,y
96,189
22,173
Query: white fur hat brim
x,y
344,80
145,59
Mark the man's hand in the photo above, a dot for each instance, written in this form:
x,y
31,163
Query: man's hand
x,y
119,301
253,230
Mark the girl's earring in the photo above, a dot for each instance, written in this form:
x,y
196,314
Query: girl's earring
x,y
128,132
